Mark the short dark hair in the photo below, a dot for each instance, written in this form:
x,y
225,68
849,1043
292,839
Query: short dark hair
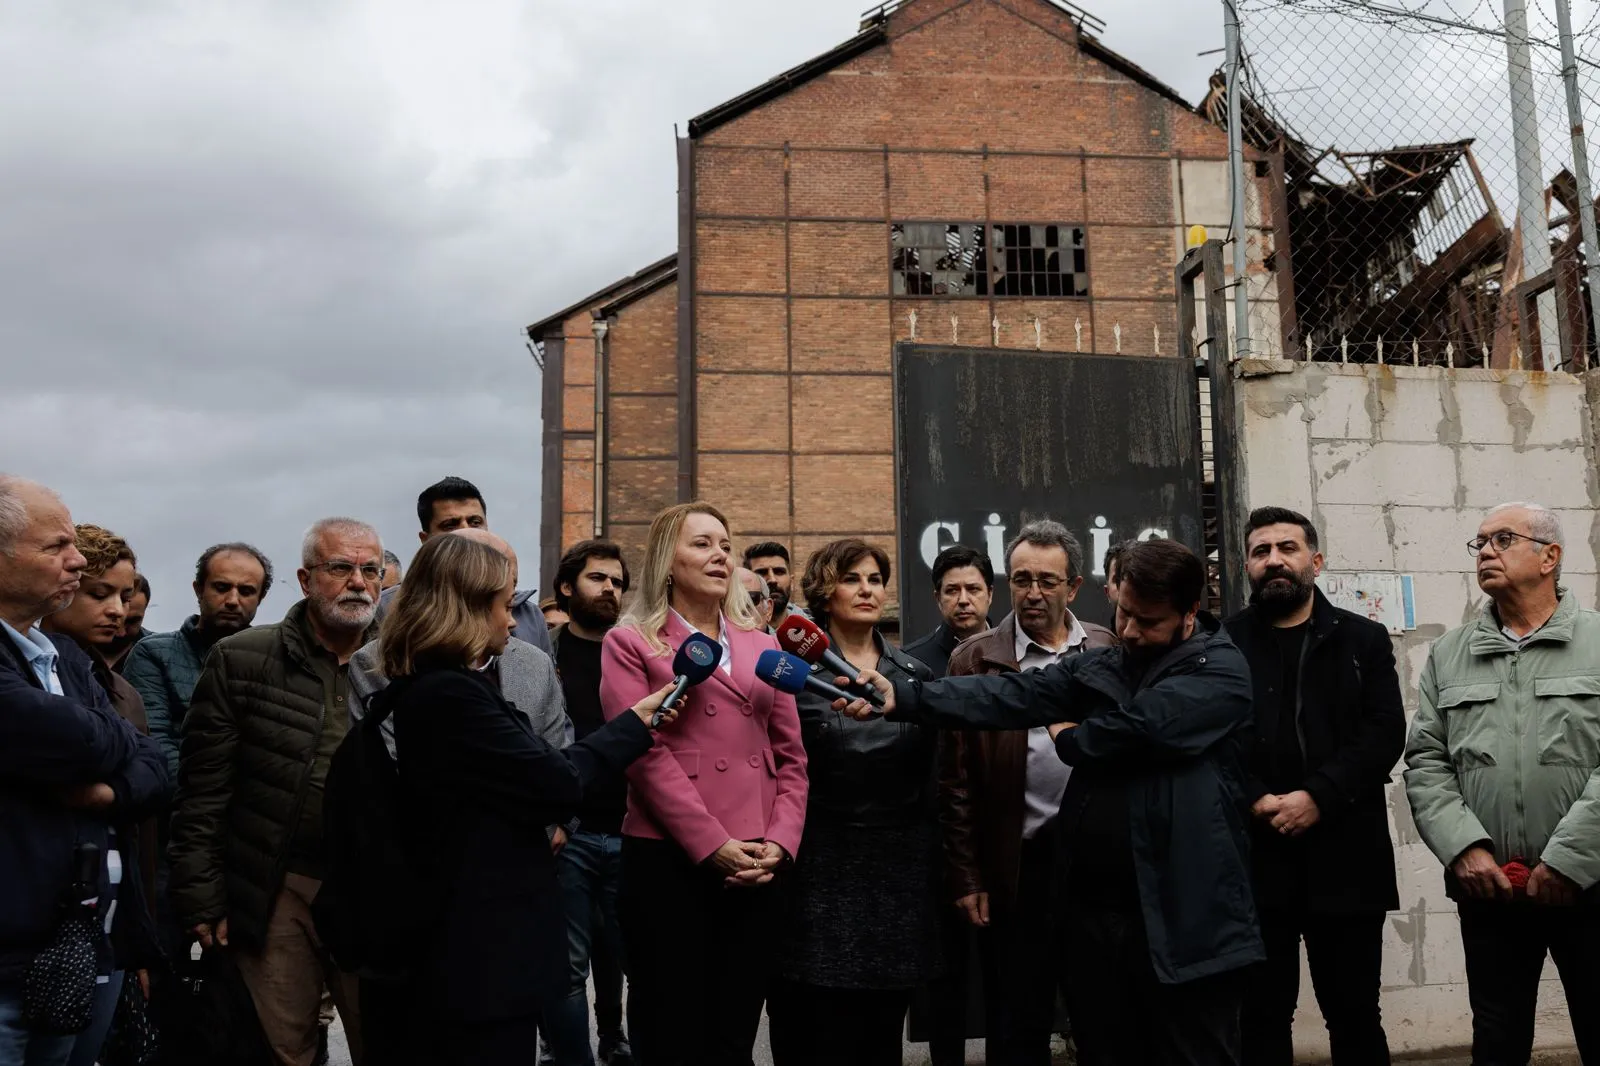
x,y
1164,570
450,488
957,556
1114,555
1262,517
765,549
391,561
141,586
573,561
1048,533
831,560
201,567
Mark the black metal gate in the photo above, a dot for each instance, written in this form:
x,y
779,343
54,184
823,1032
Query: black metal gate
x,y
988,439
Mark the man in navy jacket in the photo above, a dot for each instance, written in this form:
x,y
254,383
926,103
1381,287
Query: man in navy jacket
x,y
70,768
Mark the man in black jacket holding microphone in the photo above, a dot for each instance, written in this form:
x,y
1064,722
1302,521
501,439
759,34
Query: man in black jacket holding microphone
x,y
1159,919
1330,727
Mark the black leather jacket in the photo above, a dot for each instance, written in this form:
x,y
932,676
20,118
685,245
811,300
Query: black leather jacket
x,y
877,772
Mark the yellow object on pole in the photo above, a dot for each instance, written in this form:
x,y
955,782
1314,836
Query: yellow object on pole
x,y
1197,235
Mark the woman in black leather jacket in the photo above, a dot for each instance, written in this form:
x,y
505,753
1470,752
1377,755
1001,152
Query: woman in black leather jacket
x,y
861,926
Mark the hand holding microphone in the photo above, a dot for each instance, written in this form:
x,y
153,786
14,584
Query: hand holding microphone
x,y
792,674
802,637
696,660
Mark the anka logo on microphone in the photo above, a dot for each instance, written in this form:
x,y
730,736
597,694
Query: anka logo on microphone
x,y
800,641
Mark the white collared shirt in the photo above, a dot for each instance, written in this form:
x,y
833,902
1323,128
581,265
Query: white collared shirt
x,y
1045,775
725,664
41,655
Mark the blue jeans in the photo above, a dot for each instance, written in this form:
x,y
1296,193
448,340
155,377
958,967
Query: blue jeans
x,y
589,869
19,1046
87,1046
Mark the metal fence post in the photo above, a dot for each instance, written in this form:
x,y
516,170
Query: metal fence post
x,y
1580,158
1531,221
1241,276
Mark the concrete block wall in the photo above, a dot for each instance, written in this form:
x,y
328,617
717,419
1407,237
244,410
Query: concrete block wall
x,y
1396,466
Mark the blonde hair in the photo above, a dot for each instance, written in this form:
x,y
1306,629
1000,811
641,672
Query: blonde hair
x,y
651,598
443,615
102,548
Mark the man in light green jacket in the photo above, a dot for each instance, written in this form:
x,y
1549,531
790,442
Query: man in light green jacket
x,y
1503,768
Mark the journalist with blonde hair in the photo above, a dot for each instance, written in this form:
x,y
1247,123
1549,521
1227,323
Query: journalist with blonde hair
x,y
715,809
477,787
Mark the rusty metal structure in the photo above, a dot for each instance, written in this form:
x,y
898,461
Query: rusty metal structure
x,y
1403,244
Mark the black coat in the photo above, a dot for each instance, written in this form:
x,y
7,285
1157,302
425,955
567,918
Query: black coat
x,y
49,743
1178,741
477,789
1352,727
934,650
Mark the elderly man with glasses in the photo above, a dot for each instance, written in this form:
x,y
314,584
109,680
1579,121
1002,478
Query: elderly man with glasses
x,y
1503,774
247,853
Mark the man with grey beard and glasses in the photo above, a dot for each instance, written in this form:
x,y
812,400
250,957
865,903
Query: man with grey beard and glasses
x,y
247,855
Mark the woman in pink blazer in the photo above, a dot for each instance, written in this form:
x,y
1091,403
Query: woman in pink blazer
x,y
715,808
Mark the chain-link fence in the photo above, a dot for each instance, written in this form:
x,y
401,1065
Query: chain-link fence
x,y
1393,124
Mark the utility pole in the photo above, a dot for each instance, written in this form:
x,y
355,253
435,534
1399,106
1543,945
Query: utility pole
x,y
1241,276
1532,223
1580,153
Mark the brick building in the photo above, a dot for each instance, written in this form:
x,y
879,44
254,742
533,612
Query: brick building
x,y
982,172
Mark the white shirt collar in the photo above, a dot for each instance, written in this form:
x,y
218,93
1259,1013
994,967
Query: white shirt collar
x,y
1076,635
725,664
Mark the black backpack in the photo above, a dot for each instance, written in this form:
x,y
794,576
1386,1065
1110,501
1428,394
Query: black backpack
x,y
372,910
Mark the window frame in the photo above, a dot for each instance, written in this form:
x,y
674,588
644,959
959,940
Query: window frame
x,y
993,272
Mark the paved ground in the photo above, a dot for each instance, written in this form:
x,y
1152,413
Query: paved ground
x,y
916,1054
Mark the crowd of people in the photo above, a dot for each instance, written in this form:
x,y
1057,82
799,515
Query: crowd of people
x,y
1124,833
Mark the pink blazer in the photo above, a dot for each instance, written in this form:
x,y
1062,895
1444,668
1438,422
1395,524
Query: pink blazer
x,y
732,765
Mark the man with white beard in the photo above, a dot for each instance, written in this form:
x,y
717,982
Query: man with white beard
x,y
271,707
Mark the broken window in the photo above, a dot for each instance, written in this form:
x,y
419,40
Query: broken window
x,y
971,259
939,259
1040,260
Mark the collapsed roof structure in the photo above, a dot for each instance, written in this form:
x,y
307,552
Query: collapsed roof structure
x,y
1400,245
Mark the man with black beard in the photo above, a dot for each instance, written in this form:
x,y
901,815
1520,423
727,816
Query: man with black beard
x,y
1330,727
590,582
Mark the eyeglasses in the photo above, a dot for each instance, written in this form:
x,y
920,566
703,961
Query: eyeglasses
x,y
342,570
758,598
1047,583
1502,541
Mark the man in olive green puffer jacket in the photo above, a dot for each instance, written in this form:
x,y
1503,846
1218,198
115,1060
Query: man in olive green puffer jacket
x,y
247,856
1503,776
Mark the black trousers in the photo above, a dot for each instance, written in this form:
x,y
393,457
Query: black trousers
x,y
1022,958
698,957
400,1027
1346,956
814,1026
1123,1016
946,996
1505,945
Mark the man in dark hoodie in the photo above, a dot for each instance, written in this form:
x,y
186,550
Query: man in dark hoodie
x,y
70,768
1154,864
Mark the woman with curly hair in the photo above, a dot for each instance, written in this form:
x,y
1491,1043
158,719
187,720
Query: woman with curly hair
x,y
862,928
93,620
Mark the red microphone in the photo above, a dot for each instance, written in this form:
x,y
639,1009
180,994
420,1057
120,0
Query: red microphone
x,y
799,635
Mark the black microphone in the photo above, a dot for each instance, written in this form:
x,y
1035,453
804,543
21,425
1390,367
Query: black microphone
x,y
792,674
696,660
802,637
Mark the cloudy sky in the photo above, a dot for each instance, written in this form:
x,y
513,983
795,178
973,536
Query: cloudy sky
x,y
266,261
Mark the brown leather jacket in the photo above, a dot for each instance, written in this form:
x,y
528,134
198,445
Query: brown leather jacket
x,y
983,773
